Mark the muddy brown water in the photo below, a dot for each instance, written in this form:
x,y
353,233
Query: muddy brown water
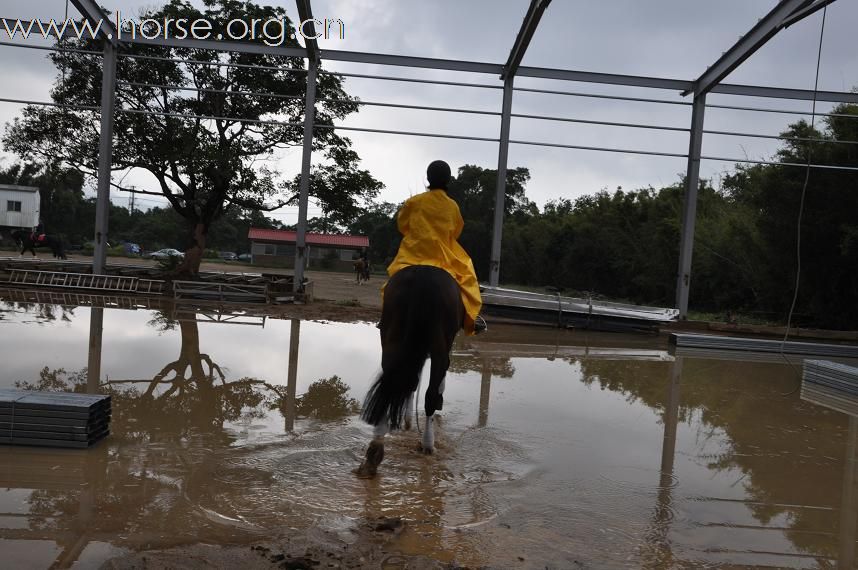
x,y
556,449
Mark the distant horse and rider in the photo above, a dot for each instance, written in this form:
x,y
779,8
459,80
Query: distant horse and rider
x,y
361,266
431,294
30,240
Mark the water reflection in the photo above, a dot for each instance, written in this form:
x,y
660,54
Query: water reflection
x,y
485,393
556,447
846,403
849,502
93,366
288,407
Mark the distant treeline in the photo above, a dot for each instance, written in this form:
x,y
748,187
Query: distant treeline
x,y
65,210
625,244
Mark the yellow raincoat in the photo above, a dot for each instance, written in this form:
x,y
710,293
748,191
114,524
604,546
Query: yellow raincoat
x,y
430,224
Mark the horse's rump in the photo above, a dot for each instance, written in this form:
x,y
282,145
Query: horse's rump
x,y
422,309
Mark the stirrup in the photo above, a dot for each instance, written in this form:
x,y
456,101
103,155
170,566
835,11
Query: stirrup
x,y
480,325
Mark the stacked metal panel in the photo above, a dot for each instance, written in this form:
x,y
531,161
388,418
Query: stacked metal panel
x,y
703,341
832,385
832,375
54,419
572,312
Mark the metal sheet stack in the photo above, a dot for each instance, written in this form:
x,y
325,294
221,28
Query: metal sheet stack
x,y
832,375
702,341
54,419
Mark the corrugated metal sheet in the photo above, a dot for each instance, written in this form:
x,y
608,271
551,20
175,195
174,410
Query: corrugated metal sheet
x,y
287,236
29,198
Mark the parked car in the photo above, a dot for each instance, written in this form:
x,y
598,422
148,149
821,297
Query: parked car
x,y
166,254
245,257
227,256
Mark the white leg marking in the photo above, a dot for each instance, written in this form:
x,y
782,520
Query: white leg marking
x,y
380,430
429,435
409,411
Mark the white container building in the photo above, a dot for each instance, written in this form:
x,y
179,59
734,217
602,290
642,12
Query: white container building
x,y
19,206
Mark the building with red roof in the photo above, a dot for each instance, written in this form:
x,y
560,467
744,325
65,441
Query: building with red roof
x,y
327,251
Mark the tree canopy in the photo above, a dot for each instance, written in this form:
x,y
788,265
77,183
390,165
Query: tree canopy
x,y
187,118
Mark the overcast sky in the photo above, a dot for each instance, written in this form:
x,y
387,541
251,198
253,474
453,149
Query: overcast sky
x,y
664,38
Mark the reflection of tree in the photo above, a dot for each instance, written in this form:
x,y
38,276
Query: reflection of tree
x,y
164,432
760,439
191,368
499,367
41,311
190,393
327,399
466,359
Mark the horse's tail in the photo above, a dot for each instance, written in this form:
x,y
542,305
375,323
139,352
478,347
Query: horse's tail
x,y
61,246
403,363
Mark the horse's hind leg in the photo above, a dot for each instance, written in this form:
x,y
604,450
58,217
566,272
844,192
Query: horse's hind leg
x,y
375,452
409,412
434,397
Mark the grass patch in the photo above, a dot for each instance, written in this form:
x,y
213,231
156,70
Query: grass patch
x,y
735,317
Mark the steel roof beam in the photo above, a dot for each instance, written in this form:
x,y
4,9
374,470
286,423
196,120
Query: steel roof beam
x,y
525,34
781,93
605,78
785,13
305,14
805,12
96,16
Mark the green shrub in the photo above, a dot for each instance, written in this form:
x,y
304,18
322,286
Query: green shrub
x,y
169,264
116,251
210,254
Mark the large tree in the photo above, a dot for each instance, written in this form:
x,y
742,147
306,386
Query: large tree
x,y
475,189
209,145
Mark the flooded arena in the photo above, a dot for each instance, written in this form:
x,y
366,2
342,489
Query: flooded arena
x,y
556,449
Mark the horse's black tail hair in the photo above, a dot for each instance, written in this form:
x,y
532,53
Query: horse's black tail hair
x,y
400,374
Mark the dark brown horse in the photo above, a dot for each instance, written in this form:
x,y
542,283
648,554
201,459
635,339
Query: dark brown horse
x,y
421,315
27,241
361,266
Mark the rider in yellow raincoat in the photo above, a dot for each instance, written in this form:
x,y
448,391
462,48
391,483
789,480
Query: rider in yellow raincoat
x,y
430,224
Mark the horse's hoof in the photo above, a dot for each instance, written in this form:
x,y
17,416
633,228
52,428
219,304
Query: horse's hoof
x,y
407,424
374,456
365,471
425,449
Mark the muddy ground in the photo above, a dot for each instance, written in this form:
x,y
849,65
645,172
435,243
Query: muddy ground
x,y
367,546
337,296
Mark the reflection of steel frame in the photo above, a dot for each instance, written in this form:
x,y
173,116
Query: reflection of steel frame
x,y
73,299
220,315
181,310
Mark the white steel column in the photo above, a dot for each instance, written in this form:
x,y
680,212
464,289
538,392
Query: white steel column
x,y
689,210
304,191
105,157
500,195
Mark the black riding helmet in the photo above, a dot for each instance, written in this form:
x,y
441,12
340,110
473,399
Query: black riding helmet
x,y
438,174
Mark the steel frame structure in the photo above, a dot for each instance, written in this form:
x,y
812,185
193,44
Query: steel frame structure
x,y
784,14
